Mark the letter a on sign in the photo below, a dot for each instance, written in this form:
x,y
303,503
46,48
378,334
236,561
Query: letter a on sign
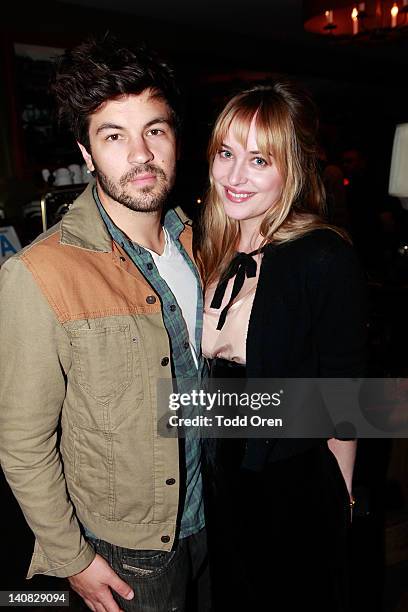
x,y
9,243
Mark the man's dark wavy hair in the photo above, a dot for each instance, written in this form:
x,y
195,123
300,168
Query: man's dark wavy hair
x,y
103,69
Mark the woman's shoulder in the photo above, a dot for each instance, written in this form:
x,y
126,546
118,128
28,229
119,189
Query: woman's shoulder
x,y
320,244
319,238
319,254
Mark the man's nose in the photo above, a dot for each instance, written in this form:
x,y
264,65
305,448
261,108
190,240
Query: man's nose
x,y
139,152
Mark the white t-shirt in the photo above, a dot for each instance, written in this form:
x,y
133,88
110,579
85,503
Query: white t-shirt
x,y
175,271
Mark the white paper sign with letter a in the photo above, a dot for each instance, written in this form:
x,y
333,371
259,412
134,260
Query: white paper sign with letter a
x,y
9,243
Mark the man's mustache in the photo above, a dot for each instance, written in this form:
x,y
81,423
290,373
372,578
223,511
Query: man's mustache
x,y
145,169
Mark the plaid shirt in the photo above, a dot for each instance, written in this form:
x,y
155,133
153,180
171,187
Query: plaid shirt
x,y
185,371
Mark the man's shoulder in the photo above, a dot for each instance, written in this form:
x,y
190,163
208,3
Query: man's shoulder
x,y
44,243
27,271
49,239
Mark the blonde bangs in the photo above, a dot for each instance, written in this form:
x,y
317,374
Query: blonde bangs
x,y
240,123
270,132
240,118
271,127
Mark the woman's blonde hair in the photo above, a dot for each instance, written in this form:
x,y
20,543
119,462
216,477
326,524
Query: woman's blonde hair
x,y
286,123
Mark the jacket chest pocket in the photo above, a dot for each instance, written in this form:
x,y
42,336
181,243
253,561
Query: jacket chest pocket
x,y
102,360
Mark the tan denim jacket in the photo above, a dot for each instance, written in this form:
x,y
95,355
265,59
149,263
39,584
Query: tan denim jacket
x,y
83,343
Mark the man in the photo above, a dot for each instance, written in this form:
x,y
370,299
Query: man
x,y
93,313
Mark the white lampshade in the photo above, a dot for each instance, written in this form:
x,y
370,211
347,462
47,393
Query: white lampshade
x,y
398,185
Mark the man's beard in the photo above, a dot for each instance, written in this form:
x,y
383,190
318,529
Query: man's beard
x,y
148,199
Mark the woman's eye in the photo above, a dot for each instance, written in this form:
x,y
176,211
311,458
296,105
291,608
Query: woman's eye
x,y
260,161
225,154
113,137
155,132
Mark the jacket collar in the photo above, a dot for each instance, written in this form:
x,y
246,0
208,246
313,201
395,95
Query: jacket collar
x,y
82,226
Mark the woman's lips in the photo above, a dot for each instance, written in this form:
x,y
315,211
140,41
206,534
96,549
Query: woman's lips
x,y
238,196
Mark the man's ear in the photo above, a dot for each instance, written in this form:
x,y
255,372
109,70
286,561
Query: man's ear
x,y
87,157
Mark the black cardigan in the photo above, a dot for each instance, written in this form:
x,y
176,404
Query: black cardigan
x,y
308,320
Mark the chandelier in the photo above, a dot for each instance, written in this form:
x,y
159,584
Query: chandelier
x,y
371,20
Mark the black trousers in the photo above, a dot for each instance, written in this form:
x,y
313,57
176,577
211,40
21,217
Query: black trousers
x,y
277,538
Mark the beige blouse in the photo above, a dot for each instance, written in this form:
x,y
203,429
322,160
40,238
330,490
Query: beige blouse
x,y
230,341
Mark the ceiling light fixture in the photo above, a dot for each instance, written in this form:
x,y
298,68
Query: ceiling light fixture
x,y
370,20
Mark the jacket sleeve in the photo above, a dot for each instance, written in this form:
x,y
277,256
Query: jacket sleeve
x,y
33,348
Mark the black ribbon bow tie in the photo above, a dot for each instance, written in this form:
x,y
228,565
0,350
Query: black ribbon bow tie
x,y
241,266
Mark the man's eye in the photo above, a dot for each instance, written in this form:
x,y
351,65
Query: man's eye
x,y
113,137
155,132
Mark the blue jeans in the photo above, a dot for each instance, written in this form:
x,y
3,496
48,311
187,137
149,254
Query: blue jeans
x,y
175,581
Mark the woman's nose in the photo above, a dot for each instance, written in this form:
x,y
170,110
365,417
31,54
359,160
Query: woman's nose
x,y
237,175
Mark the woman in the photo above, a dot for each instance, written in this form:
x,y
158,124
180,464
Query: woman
x,y
289,304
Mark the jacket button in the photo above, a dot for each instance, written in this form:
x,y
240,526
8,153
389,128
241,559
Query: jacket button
x,y
150,266
173,307
170,481
122,258
150,299
165,539
164,361
186,344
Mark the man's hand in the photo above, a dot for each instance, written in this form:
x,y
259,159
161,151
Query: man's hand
x,y
93,583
